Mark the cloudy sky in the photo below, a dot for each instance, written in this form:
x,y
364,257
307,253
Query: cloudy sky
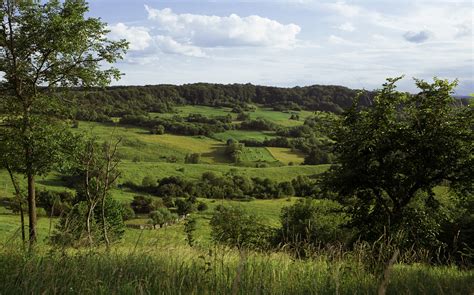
x,y
287,43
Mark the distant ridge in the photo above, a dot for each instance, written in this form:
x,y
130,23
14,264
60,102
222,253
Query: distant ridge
x,y
120,100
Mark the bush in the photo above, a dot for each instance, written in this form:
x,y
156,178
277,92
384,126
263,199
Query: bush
x,y
145,205
40,212
148,181
235,227
161,216
193,158
184,207
55,203
127,212
202,206
309,223
71,229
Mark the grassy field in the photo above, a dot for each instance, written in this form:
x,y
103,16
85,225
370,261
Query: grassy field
x,y
138,144
135,172
286,155
244,135
160,262
190,109
279,118
257,154
185,270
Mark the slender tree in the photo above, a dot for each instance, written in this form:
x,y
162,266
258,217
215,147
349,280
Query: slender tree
x,y
44,47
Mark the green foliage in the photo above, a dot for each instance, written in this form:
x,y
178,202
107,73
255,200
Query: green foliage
x,y
193,158
395,153
161,216
234,150
184,206
189,229
202,206
148,181
71,229
159,129
45,46
158,271
127,212
309,223
316,157
235,227
55,203
145,205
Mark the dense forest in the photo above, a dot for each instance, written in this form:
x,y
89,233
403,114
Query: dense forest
x,y
121,100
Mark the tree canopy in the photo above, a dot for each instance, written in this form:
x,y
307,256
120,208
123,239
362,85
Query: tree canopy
x,y
399,150
44,46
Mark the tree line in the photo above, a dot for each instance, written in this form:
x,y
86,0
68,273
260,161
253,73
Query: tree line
x,y
97,104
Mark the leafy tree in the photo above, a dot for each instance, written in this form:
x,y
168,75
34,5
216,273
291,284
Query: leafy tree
x,y
161,216
44,46
235,227
145,205
398,151
73,229
192,158
95,214
189,229
184,206
308,223
55,203
158,129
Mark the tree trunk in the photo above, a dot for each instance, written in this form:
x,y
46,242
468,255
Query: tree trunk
x,y
22,220
104,225
32,208
88,224
20,201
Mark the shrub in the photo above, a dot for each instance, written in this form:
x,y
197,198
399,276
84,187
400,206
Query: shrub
x,y
309,223
183,207
144,205
161,216
235,227
193,158
202,206
40,212
148,181
127,212
55,203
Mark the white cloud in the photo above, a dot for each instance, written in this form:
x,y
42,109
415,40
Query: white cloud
x,y
463,30
346,10
168,45
347,26
145,47
138,37
229,31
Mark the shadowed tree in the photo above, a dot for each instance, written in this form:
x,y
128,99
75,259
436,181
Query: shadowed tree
x,y
43,47
398,151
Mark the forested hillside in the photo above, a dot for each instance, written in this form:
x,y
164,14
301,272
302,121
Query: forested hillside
x,y
93,104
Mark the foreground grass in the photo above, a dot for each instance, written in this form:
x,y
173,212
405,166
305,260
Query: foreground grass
x,y
184,270
160,262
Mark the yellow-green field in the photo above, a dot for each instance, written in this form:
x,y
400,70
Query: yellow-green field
x,y
286,155
276,117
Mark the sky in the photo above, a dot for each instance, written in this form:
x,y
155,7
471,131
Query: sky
x,y
293,42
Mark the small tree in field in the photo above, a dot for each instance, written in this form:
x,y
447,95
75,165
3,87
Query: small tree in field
x,y
395,152
95,214
44,46
161,216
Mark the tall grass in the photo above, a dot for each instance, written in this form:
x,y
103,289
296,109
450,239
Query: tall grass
x,y
185,270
